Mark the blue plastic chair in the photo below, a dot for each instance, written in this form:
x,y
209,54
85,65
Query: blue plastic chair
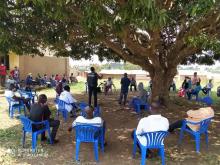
x,y
62,108
206,101
196,94
154,140
15,106
96,113
83,105
203,129
137,103
89,134
31,95
28,128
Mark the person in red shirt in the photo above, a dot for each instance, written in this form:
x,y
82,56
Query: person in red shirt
x,y
2,74
57,78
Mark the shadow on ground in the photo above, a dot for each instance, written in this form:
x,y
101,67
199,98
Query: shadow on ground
x,y
120,123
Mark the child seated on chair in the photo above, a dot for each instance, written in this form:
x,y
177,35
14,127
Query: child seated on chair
x,y
193,116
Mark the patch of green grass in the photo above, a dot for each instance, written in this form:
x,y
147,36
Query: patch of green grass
x,y
78,87
10,136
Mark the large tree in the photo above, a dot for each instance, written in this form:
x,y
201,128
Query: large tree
x,y
154,34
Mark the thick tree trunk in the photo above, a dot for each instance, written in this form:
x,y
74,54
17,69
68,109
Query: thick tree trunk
x,y
161,81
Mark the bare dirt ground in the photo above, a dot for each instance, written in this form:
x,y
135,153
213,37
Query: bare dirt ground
x,y
120,123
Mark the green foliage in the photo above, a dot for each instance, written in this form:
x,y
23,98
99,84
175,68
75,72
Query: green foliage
x,y
125,66
76,28
206,43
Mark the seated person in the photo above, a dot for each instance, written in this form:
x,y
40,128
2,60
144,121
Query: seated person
x,y
133,84
57,78
52,81
29,79
67,97
184,87
90,119
142,93
40,112
194,91
59,89
10,93
193,116
73,79
9,81
173,86
64,80
108,85
207,89
154,122
28,88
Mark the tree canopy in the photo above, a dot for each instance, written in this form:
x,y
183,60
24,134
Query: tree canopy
x,y
154,34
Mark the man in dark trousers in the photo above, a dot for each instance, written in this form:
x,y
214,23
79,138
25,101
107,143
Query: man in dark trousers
x,y
40,112
125,82
92,82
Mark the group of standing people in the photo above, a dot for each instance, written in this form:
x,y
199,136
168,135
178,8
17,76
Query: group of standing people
x,y
92,83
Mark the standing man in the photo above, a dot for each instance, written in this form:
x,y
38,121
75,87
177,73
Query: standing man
x,y
195,79
92,82
2,74
125,82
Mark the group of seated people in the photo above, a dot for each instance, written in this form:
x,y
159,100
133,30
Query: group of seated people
x,y
193,87
154,122
51,81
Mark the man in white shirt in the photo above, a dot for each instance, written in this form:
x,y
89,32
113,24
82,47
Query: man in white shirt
x,y
90,119
10,93
154,122
97,121
67,97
